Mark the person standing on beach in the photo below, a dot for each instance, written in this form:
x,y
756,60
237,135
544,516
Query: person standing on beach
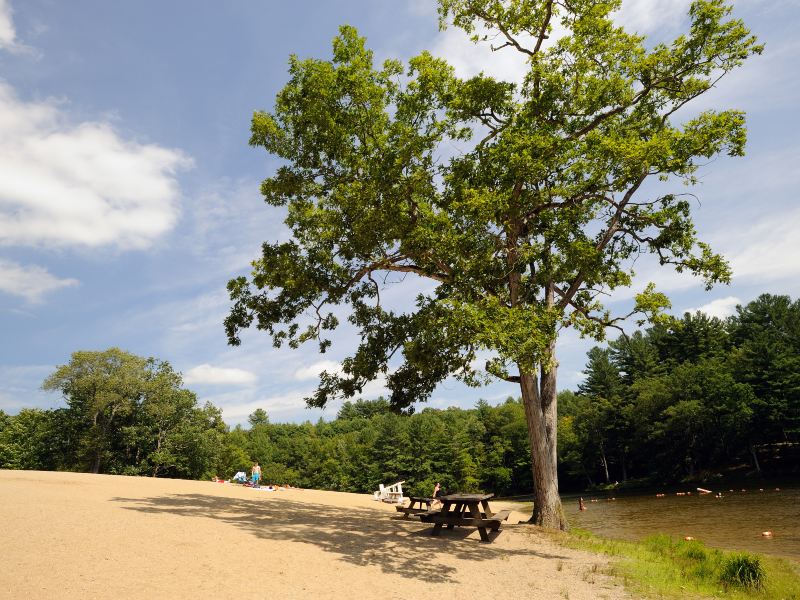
x,y
256,474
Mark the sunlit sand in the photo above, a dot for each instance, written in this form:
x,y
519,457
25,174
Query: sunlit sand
x,y
73,535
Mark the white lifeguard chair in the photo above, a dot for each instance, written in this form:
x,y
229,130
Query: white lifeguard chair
x,y
392,494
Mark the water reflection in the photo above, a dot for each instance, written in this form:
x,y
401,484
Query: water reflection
x,y
734,522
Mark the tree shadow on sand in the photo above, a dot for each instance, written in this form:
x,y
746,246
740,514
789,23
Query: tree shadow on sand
x,y
362,537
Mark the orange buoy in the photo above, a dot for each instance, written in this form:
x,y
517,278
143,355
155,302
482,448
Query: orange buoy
x,y
766,533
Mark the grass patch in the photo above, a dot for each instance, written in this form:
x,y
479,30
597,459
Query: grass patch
x,y
665,567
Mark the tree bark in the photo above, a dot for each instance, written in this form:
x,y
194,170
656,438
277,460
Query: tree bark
x,y
604,462
547,509
755,458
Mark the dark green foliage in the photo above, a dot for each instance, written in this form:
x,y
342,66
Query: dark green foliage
x,y
743,570
465,450
683,399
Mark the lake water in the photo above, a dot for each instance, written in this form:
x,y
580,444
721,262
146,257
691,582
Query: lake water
x,y
734,522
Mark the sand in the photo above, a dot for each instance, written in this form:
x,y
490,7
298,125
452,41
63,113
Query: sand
x,y
75,535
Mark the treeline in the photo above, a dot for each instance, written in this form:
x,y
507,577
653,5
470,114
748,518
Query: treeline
x,y
125,415
484,448
130,415
688,399
696,397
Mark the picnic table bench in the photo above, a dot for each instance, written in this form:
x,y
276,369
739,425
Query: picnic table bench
x,y
464,510
410,510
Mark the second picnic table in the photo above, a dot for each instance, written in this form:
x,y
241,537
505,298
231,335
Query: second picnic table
x,y
465,510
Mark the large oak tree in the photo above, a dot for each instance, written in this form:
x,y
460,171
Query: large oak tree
x,y
541,210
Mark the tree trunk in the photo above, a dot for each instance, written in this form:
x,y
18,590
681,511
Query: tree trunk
x,y
547,509
96,462
604,462
755,458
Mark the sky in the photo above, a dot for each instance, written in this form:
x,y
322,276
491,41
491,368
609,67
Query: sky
x,y
129,194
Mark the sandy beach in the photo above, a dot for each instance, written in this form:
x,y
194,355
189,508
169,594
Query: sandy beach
x,y
75,535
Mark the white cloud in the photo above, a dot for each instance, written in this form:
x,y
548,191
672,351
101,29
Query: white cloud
x,y
720,308
648,16
642,16
210,375
236,407
31,282
313,371
766,250
80,185
470,59
7,33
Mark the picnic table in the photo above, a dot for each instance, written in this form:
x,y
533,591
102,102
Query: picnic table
x,y
465,510
410,510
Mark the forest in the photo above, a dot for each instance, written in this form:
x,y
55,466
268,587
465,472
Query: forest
x,y
695,398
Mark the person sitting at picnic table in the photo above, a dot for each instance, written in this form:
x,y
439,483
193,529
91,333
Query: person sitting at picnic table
x,y
437,492
256,474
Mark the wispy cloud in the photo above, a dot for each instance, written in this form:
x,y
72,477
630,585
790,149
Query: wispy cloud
x,y
767,250
80,185
648,16
25,381
314,371
30,282
720,308
237,406
9,41
206,374
470,59
8,34
228,223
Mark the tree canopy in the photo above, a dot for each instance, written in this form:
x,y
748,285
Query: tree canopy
x,y
542,209
129,414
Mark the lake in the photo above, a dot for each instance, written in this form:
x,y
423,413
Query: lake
x,y
733,522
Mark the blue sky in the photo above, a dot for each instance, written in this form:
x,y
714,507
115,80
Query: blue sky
x,y
129,195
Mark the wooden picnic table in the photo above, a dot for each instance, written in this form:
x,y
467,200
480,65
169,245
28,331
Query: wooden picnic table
x,y
465,510
410,510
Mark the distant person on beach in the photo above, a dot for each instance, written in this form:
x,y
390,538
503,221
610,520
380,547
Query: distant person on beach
x,y
581,505
256,474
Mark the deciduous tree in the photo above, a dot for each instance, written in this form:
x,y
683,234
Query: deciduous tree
x,y
541,210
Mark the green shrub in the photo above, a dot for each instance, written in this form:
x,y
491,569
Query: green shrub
x,y
743,570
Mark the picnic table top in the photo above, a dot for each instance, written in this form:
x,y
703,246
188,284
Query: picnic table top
x,y
466,497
